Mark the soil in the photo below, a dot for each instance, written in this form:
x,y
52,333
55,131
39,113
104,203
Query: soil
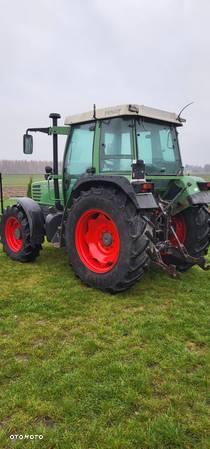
x,y
14,191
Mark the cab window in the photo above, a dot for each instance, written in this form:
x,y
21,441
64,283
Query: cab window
x,y
116,145
80,149
158,146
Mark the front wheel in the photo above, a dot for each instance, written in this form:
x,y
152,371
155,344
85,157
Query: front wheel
x,y
15,236
105,240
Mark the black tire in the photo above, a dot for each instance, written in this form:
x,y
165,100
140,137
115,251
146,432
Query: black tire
x,y
27,253
198,236
133,258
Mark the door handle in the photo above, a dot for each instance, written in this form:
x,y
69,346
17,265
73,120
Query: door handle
x,y
67,180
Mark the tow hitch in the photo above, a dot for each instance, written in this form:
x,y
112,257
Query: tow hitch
x,y
160,248
181,252
200,261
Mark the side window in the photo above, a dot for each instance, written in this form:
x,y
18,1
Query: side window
x,y
145,146
167,145
116,145
79,154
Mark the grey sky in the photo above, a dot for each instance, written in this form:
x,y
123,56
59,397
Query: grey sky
x,y
64,55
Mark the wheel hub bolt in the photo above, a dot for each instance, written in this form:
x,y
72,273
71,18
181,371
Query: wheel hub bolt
x,y
107,239
17,234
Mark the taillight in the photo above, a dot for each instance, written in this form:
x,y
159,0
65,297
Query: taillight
x,y
204,186
146,187
143,187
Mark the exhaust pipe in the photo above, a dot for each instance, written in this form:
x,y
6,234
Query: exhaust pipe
x,y
54,116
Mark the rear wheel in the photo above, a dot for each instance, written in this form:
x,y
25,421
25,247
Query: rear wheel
x,y
16,235
105,240
193,230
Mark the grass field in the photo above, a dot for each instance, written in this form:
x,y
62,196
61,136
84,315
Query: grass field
x,y
19,180
92,371
16,185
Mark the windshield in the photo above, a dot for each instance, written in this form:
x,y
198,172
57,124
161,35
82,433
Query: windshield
x,y
158,147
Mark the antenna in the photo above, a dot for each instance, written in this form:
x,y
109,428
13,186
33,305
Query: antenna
x,y
179,115
94,111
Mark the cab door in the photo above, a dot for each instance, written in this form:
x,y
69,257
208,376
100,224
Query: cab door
x,y
117,149
78,155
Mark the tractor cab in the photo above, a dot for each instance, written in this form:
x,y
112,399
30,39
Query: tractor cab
x,y
109,141
119,135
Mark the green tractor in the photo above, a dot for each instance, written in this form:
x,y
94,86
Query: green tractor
x,y
121,202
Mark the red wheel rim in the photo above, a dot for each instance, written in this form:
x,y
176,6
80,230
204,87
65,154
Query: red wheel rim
x,y
179,226
13,234
97,241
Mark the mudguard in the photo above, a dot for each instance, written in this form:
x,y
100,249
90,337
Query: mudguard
x,y
199,198
52,223
35,219
141,201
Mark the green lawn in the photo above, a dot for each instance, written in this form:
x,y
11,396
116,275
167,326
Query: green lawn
x,y
19,180
92,371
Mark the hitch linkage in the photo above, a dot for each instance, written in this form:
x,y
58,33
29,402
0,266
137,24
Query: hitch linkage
x,y
158,248
200,261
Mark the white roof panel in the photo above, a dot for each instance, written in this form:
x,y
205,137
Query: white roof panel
x,y
125,109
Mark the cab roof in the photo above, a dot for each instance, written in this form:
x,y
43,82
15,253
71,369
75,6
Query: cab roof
x,y
125,110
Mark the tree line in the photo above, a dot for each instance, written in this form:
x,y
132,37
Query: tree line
x,y
205,170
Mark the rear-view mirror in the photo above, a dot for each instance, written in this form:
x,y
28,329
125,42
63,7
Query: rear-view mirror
x,y
27,144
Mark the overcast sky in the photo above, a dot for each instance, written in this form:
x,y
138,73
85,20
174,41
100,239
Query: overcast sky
x,y
64,55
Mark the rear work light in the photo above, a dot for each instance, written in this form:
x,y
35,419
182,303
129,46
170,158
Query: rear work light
x,y
204,186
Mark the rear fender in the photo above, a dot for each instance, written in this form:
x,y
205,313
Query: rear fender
x,y
141,201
